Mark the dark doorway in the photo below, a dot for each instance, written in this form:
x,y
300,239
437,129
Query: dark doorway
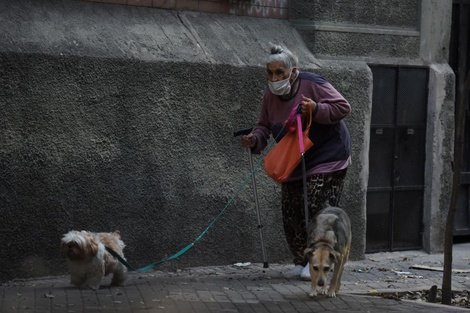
x,y
396,158
459,60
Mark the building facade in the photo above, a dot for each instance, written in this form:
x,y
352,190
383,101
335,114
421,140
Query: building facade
x,y
120,115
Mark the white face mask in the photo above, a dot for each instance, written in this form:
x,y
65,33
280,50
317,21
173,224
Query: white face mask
x,y
281,87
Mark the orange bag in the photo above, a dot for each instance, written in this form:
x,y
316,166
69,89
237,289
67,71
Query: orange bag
x,y
284,157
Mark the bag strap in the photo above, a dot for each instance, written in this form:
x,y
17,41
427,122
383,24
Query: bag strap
x,y
307,129
295,111
290,121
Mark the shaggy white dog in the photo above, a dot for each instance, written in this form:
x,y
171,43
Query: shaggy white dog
x,y
88,260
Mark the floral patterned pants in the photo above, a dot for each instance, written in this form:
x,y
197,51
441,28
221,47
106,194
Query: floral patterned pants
x,y
320,189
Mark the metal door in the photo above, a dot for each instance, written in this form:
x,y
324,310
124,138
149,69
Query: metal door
x,y
396,158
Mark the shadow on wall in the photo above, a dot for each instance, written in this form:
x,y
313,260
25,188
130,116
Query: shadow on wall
x,y
147,149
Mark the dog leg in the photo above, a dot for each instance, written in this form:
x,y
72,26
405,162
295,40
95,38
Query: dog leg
x,y
94,282
119,275
313,285
343,262
77,280
340,273
95,276
334,280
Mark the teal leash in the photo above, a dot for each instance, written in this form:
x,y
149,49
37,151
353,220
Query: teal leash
x,y
188,247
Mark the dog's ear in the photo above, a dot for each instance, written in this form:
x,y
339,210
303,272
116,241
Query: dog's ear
x,y
91,245
308,252
334,256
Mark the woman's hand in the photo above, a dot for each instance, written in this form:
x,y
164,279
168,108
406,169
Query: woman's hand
x,y
305,103
248,141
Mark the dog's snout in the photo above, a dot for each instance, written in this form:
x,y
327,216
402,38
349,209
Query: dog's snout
x,y
321,283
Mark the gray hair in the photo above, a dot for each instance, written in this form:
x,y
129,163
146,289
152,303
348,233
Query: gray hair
x,y
280,54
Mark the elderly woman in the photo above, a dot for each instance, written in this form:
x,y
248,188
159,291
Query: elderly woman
x,y
326,162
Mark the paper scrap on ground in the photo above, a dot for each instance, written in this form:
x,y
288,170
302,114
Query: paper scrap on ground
x,y
242,264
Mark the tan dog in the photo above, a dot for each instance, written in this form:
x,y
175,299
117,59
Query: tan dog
x,y
328,246
88,260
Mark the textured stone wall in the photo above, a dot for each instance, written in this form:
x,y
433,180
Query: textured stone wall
x,y
147,149
122,117
370,29
259,8
395,13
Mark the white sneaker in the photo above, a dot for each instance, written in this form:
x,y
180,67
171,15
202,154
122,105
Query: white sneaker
x,y
305,273
294,272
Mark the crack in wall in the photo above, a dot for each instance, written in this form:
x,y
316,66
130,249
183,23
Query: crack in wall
x,y
195,37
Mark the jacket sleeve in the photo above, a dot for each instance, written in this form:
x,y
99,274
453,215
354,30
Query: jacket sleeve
x,y
331,105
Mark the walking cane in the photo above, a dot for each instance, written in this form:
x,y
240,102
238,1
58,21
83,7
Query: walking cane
x,y
237,133
304,170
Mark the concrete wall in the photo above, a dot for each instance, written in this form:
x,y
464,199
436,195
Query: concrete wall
x,y
436,20
259,8
439,152
118,117
372,29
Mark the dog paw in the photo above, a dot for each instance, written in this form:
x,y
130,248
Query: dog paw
x,y
312,294
323,291
331,294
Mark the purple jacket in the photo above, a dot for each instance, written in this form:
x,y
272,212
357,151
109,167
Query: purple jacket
x,y
332,148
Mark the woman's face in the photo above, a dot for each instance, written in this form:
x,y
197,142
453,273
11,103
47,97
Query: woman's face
x,y
277,71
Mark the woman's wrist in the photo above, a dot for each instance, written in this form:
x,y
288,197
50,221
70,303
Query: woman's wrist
x,y
254,140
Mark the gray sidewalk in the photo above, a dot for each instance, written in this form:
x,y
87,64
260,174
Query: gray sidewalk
x,y
249,288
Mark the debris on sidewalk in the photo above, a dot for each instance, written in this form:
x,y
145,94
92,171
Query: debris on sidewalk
x,y
361,270
407,275
460,298
402,273
239,264
438,268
